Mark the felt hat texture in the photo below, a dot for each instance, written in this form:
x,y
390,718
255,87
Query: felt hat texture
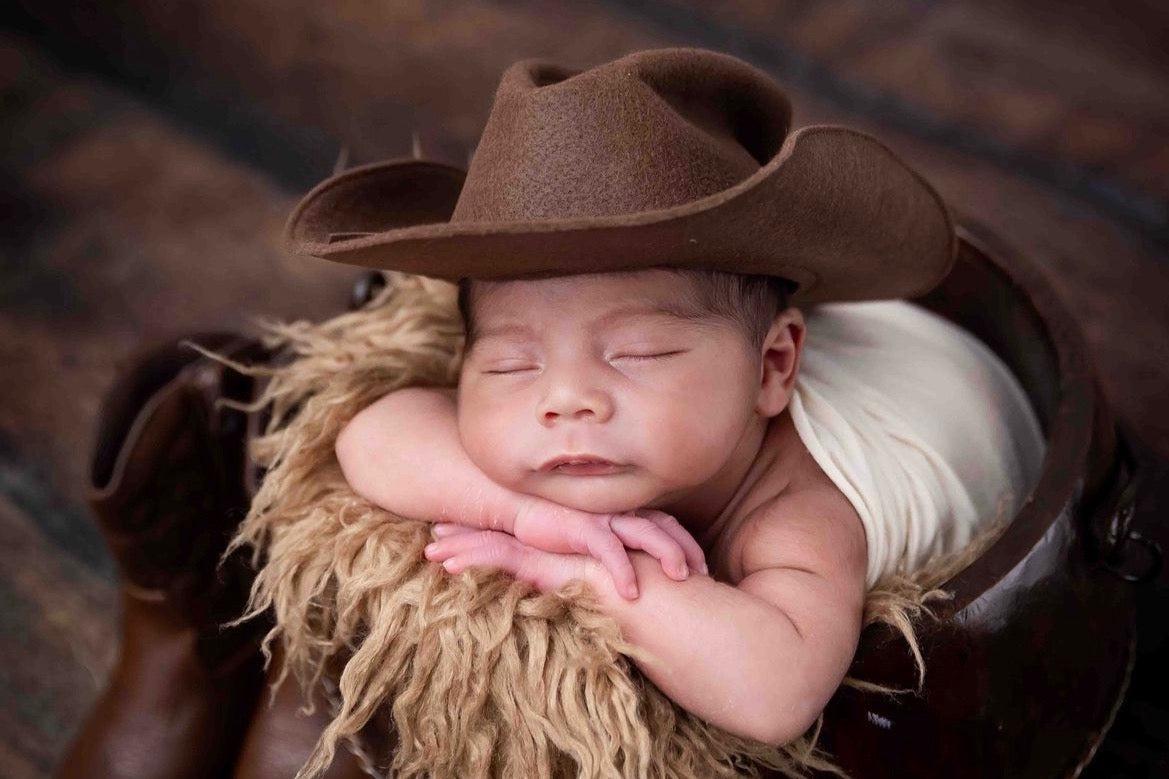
x,y
681,157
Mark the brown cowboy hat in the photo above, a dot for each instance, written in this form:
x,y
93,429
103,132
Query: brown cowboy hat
x,y
681,157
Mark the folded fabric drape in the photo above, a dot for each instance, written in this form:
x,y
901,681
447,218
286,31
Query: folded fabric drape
x,y
922,427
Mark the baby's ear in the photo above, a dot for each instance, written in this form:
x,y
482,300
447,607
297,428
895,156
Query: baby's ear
x,y
780,361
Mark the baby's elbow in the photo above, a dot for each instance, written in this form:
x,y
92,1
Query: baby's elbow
x,y
791,709
343,446
348,449
779,722
787,724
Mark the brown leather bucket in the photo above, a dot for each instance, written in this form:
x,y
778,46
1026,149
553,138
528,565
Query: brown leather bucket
x,y
1027,664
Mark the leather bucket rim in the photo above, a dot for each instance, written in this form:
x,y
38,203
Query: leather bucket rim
x,y
1069,433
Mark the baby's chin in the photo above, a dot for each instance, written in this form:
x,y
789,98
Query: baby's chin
x,y
613,494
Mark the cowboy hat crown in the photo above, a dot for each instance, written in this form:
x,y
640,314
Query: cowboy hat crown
x,y
677,157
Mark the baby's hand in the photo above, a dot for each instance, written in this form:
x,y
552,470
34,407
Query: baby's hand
x,y
460,547
555,528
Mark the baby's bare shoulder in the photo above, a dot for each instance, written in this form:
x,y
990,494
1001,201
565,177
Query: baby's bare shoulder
x,y
814,528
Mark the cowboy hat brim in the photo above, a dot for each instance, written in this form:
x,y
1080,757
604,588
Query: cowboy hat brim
x,y
834,210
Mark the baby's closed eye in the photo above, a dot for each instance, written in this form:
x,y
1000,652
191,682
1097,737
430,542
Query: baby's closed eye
x,y
648,355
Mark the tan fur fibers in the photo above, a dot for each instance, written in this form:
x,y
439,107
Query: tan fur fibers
x,y
469,675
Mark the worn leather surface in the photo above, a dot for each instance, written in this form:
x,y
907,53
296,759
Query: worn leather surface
x,y
165,491
280,736
169,483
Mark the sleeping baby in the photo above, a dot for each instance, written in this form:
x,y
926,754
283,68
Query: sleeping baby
x,y
652,433
691,378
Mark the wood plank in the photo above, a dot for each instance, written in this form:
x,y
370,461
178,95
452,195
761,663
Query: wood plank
x,y
58,620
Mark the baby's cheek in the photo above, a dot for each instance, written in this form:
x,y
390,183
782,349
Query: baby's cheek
x,y
694,413
694,446
499,465
485,442
692,453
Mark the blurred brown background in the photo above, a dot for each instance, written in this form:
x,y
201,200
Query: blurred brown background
x,y
151,152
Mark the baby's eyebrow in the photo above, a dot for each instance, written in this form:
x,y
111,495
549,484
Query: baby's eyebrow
x,y
674,309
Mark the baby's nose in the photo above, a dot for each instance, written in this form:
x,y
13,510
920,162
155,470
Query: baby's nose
x,y
589,406
583,413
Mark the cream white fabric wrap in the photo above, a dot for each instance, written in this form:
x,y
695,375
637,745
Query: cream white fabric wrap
x,y
919,424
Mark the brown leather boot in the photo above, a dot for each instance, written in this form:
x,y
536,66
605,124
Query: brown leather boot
x,y
281,737
167,491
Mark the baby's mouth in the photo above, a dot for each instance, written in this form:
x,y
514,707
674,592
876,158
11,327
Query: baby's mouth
x,y
581,466
590,468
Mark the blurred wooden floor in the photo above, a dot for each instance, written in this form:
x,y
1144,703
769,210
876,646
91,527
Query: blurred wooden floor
x,y
151,153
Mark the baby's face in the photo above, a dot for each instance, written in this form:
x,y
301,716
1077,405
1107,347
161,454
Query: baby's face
x,y
582,364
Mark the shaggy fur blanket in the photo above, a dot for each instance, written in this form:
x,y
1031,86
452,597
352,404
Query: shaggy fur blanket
x,y
471,675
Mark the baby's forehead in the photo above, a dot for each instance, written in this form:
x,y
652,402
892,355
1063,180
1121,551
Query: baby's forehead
x,y
595,312
596,304
650,286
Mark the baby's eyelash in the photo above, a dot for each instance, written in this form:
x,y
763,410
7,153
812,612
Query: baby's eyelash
x,y
648,356
513,370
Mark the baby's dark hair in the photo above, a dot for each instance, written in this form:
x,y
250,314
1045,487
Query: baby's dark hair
x,y
748,301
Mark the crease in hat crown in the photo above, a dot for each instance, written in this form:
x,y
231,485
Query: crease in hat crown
x,y
683,157
632,135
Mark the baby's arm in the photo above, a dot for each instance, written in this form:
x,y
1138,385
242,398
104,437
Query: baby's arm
x,y
759,657
403,453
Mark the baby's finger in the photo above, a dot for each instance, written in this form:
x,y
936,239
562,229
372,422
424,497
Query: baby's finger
x,y
547,571
602,544
695,557
458,543
487,552
642,533
445,529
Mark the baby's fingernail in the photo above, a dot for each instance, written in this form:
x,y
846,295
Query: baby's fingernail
x,y
430,549
449,564
704,569
684,571
441,530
